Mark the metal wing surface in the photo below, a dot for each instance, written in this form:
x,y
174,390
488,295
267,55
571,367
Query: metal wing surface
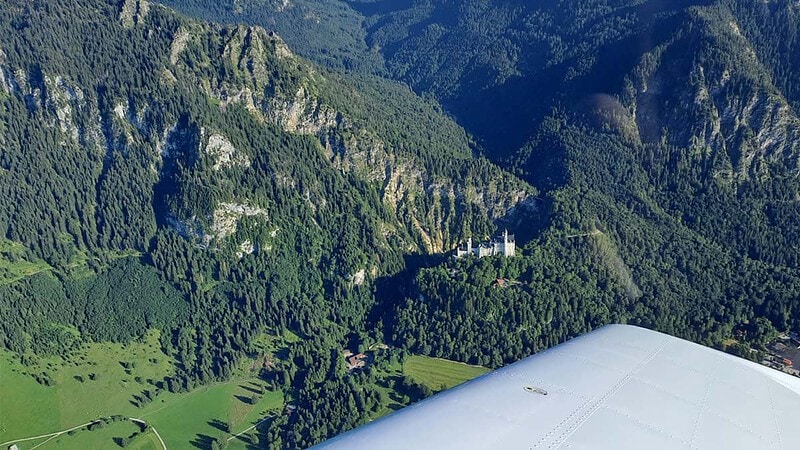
x,y
619,387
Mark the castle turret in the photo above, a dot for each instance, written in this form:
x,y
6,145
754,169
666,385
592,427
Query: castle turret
x,y
509,244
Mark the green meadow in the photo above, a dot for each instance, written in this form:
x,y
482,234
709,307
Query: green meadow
x,y
13,264
97,439
101,380
436,372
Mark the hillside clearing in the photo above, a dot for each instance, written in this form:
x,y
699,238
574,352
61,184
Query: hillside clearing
x,y
437,373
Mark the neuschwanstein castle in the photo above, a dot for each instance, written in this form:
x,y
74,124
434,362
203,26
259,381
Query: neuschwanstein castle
x,y
503,245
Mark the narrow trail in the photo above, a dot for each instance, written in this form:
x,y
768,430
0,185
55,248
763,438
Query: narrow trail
x,y
591,233
56,434
152,428
247,429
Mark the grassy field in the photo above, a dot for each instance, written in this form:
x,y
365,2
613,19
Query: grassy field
x,y
28,408
435,372
198,416
13,266
101,379
98,439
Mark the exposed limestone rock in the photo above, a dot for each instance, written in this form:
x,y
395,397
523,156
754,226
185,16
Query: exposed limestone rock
x,y
226,217
245,248
735,28
120,110
223,223
133,12
729,114
21,78
294,100
402,180
252,51
7,79
430,246
224,153
298,108
126,116
33,94
178,45
282,50
165,146
65,100
239,6
314,201
190,228
244,97
248,49
126,119
284,180
303,114
359,277
167,77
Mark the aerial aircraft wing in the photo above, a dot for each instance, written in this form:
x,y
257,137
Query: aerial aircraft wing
x,y
618,387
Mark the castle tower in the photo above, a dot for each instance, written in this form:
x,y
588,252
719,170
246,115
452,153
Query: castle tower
x,y
509,244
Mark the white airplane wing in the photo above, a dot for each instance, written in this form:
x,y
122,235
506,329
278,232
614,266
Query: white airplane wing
x,y
619,387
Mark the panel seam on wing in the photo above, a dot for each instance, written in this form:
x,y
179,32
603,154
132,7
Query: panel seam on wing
x,y
651,427
687,367
699,405
592,408
774,416
703,407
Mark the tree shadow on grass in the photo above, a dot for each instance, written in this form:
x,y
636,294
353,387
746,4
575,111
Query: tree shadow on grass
x,y
202,441
245,400
218,424
250,389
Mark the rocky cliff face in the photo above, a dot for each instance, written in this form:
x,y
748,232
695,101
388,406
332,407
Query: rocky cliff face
x,y
298,106
133,12
718,101
254,69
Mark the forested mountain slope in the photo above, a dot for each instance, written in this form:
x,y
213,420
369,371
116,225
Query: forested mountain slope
x,y
159,172
666,134
678,155
501,66
328,31
237,69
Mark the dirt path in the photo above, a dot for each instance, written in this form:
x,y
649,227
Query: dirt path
x,y
56,434
247,429
591,233
152,428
